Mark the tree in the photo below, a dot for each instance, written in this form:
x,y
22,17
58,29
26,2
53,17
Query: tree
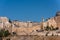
x,y
52,28
10,21
4,33
47,28
57,28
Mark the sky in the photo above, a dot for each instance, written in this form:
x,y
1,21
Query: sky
x,y
29,10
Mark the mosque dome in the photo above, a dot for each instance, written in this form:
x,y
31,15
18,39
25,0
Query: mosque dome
x,y
58,13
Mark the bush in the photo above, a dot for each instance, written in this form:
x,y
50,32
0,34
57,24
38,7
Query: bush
x,y
51,28
56,28
10,21
4,33
47,28
1,34
8,39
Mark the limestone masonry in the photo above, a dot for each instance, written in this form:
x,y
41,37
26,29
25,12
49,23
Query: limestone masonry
x,y
29,28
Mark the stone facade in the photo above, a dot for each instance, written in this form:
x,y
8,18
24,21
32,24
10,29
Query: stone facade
x,y
57,19
50,22
27,27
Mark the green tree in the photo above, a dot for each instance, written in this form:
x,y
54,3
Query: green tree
x,y
47,28
4,33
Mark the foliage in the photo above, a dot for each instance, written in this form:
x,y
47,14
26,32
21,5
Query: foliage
x,y
51,28
10,21
8,39
47,28
4,33
14,33
56,28
47,33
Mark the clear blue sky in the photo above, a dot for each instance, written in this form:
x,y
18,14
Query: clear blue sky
x,y
31,10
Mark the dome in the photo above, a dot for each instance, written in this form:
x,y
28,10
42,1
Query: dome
x,y
58,13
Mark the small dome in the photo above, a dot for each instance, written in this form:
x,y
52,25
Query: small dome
x,y
58,13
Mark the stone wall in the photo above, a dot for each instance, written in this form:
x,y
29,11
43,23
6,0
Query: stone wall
x,y
50,22
57,19
24,30
33,37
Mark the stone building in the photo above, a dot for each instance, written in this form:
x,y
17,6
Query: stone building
x,y
28,27
4,23
54,21
57,19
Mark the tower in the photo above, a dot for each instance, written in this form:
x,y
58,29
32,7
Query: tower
x,y
57,19
42,24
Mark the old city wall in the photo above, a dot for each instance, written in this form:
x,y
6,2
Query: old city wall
x,y
33,37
